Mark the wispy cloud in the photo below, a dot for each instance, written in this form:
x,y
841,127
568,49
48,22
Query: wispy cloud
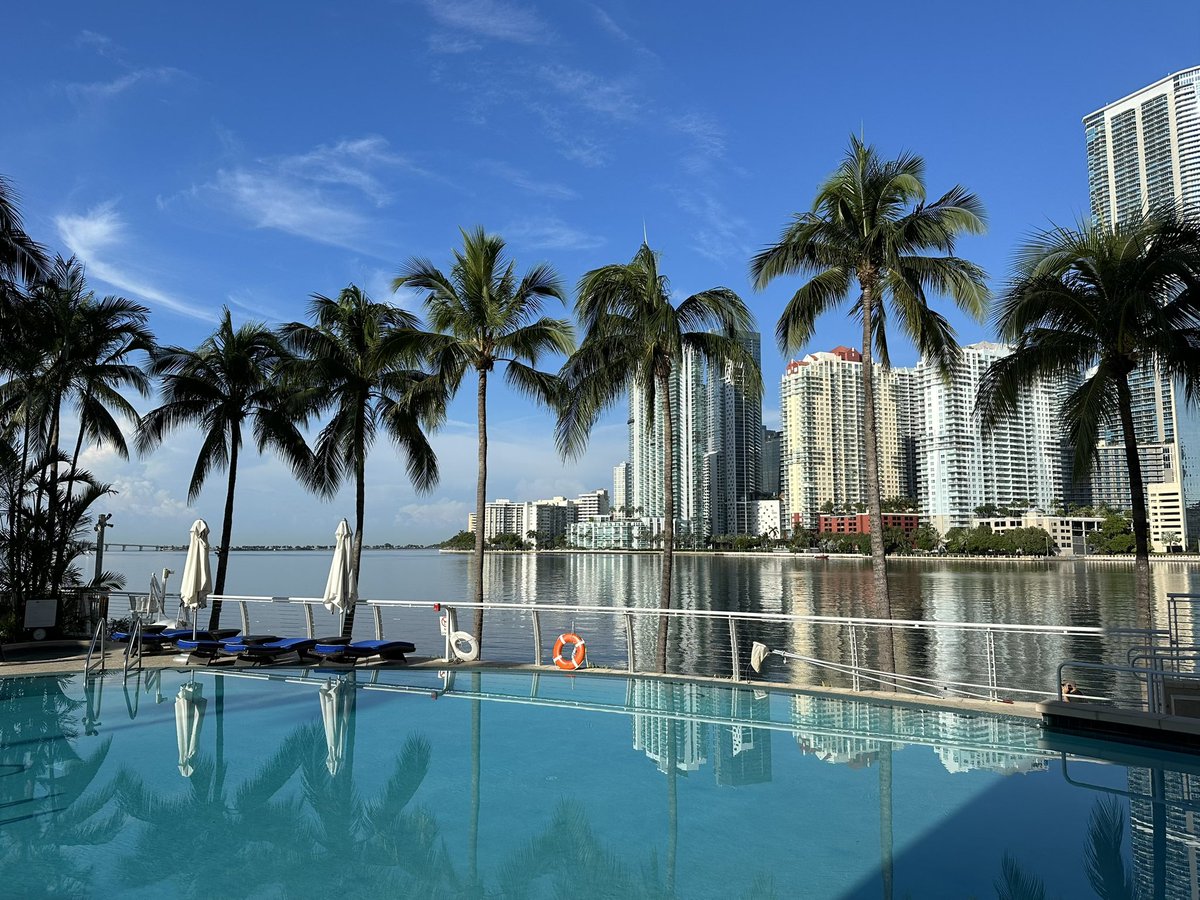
x,y
719,234
105,90
525,181
451,44
571,143
317,194
705,141
351,163
269,200
492,19
591,91
609,24
97,238
549,233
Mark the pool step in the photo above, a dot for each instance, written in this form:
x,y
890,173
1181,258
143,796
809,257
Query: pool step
x,y
1096,720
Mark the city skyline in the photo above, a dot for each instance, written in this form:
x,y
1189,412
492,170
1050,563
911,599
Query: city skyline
x,y
186,185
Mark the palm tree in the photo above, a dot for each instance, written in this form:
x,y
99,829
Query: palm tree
x,y
358,359
1099,302
870,223
21,258
482,314
636,340
229,383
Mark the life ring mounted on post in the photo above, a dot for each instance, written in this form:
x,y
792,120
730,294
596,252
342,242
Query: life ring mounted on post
x,y
578,657
464,646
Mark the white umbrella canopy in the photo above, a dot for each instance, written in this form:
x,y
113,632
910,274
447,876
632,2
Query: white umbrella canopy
x,y
341,591
189,716
337,709
197,571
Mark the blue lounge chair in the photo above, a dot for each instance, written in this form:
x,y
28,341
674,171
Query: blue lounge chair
x,y
360,651
275,650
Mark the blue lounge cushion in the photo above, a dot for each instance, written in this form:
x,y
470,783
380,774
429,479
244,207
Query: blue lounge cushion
x,y
365,649
269,648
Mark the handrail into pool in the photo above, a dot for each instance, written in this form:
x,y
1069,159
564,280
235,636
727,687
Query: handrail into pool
x,y
1154,677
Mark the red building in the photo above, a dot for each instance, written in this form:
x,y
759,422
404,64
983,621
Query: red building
x,y
861,524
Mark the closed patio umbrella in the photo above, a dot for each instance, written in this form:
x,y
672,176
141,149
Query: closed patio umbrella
x,y
197,572
337,711
341,591
189,716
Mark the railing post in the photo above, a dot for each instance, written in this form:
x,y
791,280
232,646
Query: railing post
x,y
991,661
855,680
733,646
537,638
631,664
378,622
245,618
309,625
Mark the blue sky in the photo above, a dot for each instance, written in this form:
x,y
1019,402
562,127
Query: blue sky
x,y
216,154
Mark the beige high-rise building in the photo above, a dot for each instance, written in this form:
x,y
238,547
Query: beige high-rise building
x,y
1144,150
822,452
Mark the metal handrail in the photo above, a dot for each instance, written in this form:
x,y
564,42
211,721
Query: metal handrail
x,y
1154,677
654,612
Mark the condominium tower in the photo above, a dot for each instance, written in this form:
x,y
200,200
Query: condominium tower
x,y
822,452
717,433
1143,151
960,466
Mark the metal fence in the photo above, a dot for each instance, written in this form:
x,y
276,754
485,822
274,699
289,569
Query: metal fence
x,y
973,659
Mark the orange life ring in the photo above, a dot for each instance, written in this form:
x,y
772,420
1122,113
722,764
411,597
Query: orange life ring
x,y
578,655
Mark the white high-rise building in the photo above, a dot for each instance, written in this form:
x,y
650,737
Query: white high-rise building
x,y
1144,150
717,443
960,468
822,452
622,495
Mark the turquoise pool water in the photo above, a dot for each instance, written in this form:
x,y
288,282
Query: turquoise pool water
x,y
406,783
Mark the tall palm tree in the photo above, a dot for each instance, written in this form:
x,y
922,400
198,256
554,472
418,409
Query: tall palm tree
x,y
358,359
870,223
229,384
482,314
22,259
1099,302
635,340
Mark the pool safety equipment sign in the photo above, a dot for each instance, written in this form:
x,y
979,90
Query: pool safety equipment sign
x,y
41,613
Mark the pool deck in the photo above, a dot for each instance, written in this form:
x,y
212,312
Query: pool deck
x,y
73,663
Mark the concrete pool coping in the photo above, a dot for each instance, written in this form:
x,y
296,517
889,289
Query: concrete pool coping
x,y
114,660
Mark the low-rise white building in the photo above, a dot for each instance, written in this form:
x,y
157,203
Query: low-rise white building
x,y
1069,533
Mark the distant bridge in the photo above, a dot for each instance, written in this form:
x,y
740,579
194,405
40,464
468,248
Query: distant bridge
x,y
152,548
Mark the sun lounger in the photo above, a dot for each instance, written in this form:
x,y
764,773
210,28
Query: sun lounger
x,y
275,650
359,651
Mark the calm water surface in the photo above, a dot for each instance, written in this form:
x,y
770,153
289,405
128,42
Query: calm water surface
x,y
1066,593
397,784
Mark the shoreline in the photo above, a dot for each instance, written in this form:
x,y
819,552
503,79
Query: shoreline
x,y
1175,558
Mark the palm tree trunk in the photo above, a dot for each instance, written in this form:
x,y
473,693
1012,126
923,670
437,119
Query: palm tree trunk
x,y
235,440
1141,522
668,532
672,804
480,503
60,563
360,508
473,823
883,601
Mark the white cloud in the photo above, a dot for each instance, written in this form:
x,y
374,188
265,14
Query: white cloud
x,y
549,233
719,234
591,91
104,90
492,19
451,44
706,142
350,163
442,512
98,237
271,201
525,181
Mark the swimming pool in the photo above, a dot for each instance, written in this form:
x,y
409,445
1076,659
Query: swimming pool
x,y
409,783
